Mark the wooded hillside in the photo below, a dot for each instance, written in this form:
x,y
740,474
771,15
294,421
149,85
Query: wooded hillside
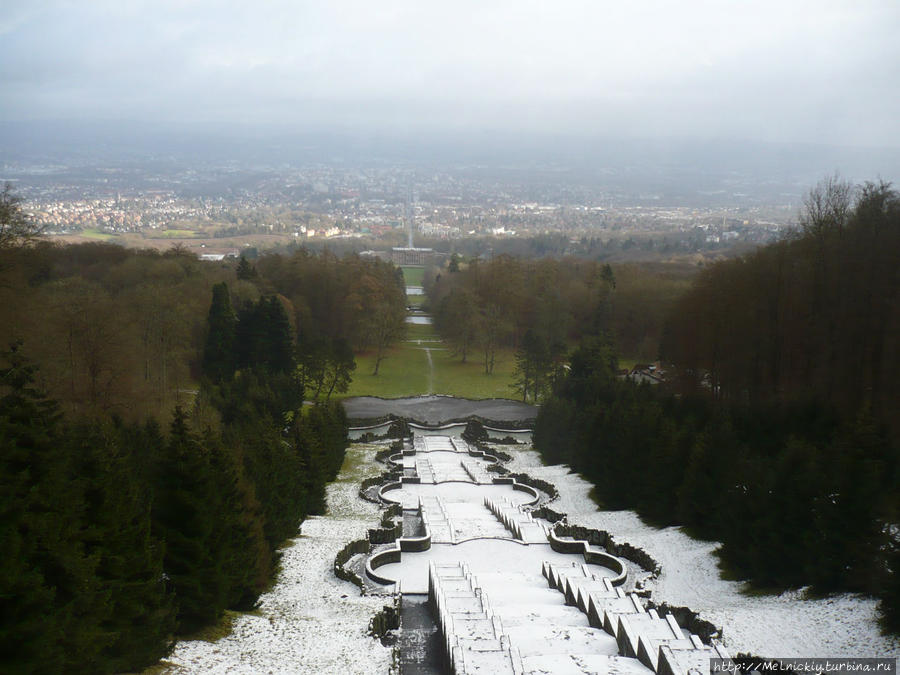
x,y
155,449
776,430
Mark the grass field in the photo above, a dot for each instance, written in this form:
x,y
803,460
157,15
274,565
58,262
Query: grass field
x,y
97,234
406,371
468,380
422,364
180,234
416,300
421,331
413,275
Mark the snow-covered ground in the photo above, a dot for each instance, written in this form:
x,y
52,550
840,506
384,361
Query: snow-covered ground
x,y
311,621
783,625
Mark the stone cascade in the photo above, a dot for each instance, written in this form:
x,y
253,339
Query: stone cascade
x,y
436,519
498,609
473,636
523,627
439,459
424,470
477,472
659,643
521,524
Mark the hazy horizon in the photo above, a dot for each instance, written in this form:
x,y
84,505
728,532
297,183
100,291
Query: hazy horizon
x,y
798,72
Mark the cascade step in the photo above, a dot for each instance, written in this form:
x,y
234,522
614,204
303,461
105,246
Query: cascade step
x,y
536,616
534,640
524,596
648,649
683,661
582,664
649,625
577,591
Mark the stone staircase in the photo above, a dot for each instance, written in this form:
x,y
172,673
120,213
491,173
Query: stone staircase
x,y
512,623
476,471
436,519
473,636
521,524
657,642
424,470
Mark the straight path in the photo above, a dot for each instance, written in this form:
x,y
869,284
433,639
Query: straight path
x,y
430,371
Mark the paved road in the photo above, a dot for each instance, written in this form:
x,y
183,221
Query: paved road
x,y
438,409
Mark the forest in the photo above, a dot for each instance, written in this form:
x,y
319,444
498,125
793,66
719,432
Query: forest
x,y
541,308
165,426
776,429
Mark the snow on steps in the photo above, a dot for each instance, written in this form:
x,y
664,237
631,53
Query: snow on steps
x,y
659,643
473,636
521,524
523,628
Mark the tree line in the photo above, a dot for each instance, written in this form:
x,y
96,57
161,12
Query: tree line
x,y
155,447
775,432
542,308
122,535
119,331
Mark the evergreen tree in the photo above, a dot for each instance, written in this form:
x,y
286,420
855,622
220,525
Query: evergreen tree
x,y
141,612
276,471
278,346
532,366
245,271
219,352
184,516
239,537
52,602
263,337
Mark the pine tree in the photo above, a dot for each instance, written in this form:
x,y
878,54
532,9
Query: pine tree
x,y
52,602
219,352
184,516
240,538
279,345
276,472
141,614
245,271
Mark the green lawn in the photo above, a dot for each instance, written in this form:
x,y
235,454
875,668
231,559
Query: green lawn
x,y
97,234
416,300
468,380
405,372
421,331
179,234
413,276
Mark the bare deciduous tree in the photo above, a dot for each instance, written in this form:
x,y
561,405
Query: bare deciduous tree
x,y
16,228
828,206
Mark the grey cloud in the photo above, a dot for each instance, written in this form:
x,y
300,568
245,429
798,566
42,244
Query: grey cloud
x,y
802,70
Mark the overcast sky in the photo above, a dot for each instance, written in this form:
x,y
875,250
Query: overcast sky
x,y
780,70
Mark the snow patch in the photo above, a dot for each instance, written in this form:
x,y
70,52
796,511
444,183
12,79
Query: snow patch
x,y
785,625
310,621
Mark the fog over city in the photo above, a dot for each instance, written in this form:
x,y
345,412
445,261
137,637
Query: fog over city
x,y
801,71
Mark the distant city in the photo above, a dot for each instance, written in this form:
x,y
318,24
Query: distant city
x,y
229,206
221,195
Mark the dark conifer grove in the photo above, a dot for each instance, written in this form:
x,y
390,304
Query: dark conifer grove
x,y
155,448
